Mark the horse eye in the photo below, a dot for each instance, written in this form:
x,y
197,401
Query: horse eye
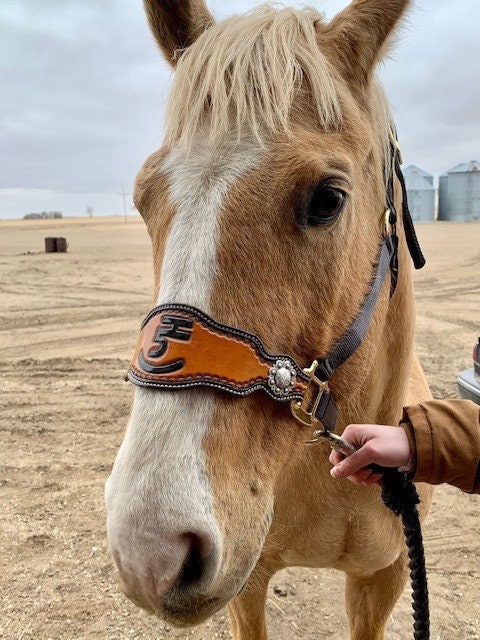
x,y
325,206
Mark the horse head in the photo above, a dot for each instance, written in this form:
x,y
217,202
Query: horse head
x,y
265,207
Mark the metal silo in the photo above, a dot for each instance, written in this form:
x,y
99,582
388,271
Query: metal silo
x,y
421,194
413,169
443,197
463,193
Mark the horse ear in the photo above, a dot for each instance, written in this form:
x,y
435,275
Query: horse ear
x,y
359,34
176,24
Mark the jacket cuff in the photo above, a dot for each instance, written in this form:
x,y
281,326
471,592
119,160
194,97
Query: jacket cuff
x,y
421,442
411,468
447,440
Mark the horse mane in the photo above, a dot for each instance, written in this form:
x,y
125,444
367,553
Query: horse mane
x,y
246,72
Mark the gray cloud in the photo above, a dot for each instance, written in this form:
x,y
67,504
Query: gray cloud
x,y
83,90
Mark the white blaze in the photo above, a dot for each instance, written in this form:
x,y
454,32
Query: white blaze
x,y
198,183
159,480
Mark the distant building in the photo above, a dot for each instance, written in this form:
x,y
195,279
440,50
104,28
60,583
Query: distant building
x,y
459,195
421,194
416,170
443,197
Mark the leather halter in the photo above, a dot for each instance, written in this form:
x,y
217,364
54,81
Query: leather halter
x,y
180,347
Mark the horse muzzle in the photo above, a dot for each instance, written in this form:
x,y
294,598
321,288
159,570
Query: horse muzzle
x,y
176,579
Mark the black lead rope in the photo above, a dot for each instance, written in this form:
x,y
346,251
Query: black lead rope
x,y
400,496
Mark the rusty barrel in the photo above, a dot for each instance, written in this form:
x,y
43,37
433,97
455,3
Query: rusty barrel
x,y
56,245
62,245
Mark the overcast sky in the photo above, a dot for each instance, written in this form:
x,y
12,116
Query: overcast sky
x,y
82,91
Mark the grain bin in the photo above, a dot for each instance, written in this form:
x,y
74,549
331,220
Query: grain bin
x,y
421,194
443,197
413,169
460,193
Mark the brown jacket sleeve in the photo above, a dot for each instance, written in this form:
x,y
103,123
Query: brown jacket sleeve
x,y
444,436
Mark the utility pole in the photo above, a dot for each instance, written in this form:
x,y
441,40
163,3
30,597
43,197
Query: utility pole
x,y
124,196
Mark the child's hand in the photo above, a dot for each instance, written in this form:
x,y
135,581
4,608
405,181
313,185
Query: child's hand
x,y
386,446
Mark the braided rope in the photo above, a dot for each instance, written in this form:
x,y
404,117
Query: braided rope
x,y
401,497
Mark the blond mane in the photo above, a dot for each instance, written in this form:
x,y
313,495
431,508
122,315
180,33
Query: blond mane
x,y
245,73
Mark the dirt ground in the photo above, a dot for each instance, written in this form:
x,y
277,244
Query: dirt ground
x,y
68,324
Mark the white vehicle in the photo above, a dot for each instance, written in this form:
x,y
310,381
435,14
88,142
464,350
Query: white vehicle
x,y
469,380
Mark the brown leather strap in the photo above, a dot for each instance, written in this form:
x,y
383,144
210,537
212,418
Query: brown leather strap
x,y
181,347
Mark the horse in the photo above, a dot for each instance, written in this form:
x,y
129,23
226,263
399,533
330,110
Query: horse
x,y
265,207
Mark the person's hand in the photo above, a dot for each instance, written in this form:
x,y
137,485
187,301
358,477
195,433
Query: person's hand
x,y
386,446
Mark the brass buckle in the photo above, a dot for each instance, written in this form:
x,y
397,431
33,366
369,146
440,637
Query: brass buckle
x,y
304,411
389,228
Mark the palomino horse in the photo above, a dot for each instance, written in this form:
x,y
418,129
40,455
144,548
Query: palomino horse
x,y
266,208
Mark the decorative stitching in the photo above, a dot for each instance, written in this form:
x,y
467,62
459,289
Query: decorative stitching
x,y
215,385
193,376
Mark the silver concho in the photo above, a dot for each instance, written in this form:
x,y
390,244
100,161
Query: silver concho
x,y
282,378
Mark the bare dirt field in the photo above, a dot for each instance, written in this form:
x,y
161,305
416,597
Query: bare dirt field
x,y
68,325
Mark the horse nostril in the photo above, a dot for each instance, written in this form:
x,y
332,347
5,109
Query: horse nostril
x,y
184,568
199,561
